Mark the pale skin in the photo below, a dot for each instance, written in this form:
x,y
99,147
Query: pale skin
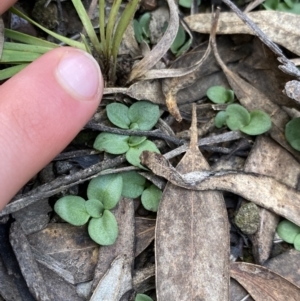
x,y
40,115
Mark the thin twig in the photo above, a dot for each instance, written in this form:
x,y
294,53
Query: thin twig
x,y
60,184
156,133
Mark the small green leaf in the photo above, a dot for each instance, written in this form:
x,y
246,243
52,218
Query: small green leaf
x,y
260,122
290,3
112,143
145,114
219,94
188,3
237,117
138,32
133,154
271,4
186,46
151,197
104,230
133,184
117,113
220,119
142,297
292,133
94,208
72,209
285,8
297,242
136,140
287,231
107,189
144,22
179,40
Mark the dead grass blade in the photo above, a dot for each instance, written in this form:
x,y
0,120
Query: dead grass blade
x,y
262,190
162,46
192,238
1,36
263,284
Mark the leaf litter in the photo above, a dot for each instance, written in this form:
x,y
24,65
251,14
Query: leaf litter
x,y
192,233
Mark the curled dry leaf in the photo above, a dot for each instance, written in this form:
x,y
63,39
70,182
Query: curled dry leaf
x,y
262,190
162,46
192,238
263,284
280,27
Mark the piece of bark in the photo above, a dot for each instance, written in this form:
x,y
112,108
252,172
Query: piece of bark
x,y
28,265
192,238
116,282
268,158
70,246
124,244
286,265
34,217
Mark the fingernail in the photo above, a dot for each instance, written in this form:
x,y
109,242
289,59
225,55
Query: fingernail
x,y
79,74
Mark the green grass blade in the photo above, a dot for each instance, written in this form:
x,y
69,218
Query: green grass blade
x,y
87,24
13,56
85,42
102,24
11,71
25,38
68,41
111,24
25,47
122,26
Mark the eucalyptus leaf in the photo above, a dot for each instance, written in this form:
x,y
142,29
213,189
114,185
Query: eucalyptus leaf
x,y
220,119
151,197
142,297
107,189
117,114
292,133
94,208
104,230
72,209
260,122
237,117
136,140
145,114
133,184
133,154
111,143
219,94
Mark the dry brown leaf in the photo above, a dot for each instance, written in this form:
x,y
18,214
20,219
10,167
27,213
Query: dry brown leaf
x,y
192,239
1,36
262,190
263,284
69,245
252,99
145,229
280,27
270,159
162,46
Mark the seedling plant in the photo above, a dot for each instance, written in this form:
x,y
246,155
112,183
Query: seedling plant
x,y
290,233
104,192
236,117
288,6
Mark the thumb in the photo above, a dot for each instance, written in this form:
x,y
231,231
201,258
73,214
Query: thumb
x,y
42,109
